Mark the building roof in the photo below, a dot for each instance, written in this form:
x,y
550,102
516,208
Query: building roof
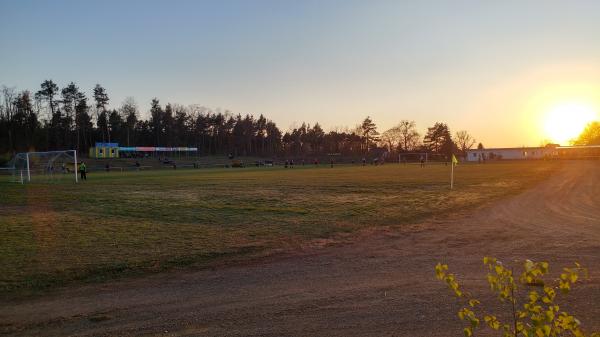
x,y
511,148
551,146
580,147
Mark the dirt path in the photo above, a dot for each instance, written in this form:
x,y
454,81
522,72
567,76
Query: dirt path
x,y
380,285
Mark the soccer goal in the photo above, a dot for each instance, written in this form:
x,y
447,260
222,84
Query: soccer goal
x,y
413,157
50,166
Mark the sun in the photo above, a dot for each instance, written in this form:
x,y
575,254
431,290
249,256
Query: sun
x,y
565,121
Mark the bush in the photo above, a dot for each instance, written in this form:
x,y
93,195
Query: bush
x,y
538,316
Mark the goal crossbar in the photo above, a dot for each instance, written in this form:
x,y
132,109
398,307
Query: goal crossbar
x,y
23,162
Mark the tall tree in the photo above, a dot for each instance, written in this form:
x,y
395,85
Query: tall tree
x,y
9,96
129,113
115,125
273,137
48,90
167,125
391,139
102,124
181,124
438,139
83,122
590,135
24,122
402,137
70,96
46,94
315,137
408,134
156,121
369,132
101,98
261,133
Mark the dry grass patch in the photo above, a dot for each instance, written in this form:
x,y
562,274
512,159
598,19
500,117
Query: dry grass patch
x,y
129,223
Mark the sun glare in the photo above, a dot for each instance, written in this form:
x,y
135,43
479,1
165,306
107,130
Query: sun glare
x,y
564,122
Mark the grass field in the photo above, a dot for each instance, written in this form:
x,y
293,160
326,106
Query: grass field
x,y
128,223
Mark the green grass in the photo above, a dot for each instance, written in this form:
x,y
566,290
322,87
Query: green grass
x,y
114,224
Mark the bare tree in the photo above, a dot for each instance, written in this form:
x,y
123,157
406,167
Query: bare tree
x,y
10,95
391,138
464,141
409,137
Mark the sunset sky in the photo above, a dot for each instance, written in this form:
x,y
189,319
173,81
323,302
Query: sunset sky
x,y
506,71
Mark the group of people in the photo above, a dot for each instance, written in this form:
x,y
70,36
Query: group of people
x,y
63,168
290,163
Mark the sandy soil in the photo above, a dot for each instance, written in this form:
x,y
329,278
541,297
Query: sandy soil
x,y
373,284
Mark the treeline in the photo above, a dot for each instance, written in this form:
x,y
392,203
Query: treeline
x,y
54,118
590,135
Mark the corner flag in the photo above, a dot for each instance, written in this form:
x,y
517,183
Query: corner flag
x,y
454,162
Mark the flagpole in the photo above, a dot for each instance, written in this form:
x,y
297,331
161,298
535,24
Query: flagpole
x,y
452,176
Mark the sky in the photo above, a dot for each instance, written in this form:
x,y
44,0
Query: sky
x,y
495,69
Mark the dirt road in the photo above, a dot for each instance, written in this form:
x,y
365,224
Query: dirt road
x,y
374,284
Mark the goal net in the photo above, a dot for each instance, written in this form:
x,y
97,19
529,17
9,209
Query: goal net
x,y
51,166
413,157
417,157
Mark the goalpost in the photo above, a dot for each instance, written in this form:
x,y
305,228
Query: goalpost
x,y
416,157
48,166
413,157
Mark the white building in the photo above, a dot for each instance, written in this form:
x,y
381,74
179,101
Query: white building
x,y
512,153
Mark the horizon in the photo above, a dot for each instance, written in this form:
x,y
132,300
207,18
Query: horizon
x,y
328,62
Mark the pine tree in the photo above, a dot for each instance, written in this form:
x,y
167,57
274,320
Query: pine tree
x,y
369,132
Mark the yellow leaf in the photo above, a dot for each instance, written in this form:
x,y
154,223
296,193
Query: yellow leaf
x,y
529,265
473,303
539,332
574,278
547,330
468,332
533,296
495,325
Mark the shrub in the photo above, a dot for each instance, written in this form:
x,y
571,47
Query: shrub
x,y
537,315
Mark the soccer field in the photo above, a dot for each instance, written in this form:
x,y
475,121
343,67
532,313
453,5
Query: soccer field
x,y
129,223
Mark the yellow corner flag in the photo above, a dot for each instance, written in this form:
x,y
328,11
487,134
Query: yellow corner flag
x,y
454,162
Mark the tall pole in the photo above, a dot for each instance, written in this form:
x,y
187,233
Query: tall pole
x,y
452,176
28,171
75,156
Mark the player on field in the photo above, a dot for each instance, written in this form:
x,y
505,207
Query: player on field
x,y
83,171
